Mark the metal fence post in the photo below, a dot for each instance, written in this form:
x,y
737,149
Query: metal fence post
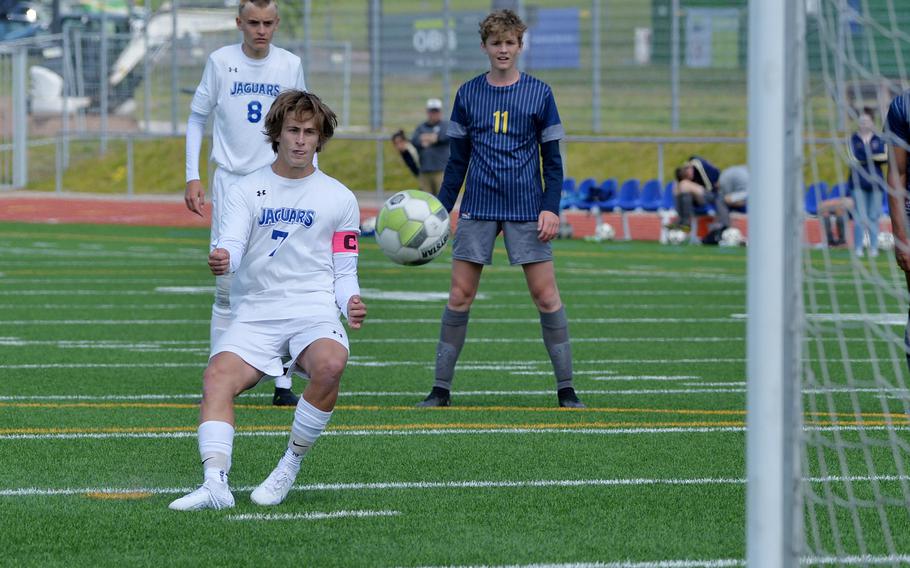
x,y
20,118
375,17
129,166
174,82
595,66
380,170
103,79
660,163
674,66
58,164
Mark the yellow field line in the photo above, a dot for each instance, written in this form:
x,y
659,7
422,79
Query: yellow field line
x,y
379,427
423,426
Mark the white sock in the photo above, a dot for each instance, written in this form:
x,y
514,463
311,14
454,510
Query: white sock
x,y
309,422
216,443
284,381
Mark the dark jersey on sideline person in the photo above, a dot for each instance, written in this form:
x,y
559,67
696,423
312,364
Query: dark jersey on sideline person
x,y
504,128
897,126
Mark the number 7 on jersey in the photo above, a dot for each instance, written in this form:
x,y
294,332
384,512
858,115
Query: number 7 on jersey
x,y
278,236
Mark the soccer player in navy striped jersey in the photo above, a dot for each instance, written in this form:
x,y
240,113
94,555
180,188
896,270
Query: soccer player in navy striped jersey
x,y
503,122
897,137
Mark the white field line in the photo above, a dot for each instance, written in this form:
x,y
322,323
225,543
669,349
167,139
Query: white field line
x,y
314,516
719,563
866,560
447,485
459,394
445,432
381,321
491,366
387,433
245,397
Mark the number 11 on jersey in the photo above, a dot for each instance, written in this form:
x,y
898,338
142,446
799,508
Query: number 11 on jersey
x,y
504,115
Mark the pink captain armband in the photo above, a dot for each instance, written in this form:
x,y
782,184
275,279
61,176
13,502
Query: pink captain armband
x,y
345,242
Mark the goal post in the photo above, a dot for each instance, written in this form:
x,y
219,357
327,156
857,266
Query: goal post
x,y
774,304
828,401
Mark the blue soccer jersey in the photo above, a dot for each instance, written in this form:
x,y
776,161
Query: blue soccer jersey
x,y
897,127
505,127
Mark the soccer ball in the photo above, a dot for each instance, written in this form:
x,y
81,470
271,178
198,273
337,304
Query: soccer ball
x,y
677,236
731,237
605,232
412,227
886,241
368,227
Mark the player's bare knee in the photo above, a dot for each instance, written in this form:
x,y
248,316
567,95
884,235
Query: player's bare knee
x,y
327,371
546,299
461,297
220,383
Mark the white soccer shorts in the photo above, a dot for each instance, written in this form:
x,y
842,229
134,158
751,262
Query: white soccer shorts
x,y
264,344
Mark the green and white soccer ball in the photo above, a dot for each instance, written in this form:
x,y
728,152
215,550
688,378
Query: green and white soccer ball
x,y
412,227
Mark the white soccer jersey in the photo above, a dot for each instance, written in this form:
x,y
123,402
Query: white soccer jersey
x,y
282,231
240,91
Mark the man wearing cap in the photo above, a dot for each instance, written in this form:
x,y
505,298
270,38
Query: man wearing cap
x,y
432,145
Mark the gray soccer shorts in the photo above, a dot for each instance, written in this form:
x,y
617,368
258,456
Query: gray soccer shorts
x,y
475,239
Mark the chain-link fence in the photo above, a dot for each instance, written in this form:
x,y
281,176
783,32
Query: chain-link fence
x,y
619,68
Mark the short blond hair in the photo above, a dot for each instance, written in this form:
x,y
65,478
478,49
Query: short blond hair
x,y
502,22
259,3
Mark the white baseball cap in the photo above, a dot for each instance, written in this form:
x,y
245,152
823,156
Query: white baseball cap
x,y
434,104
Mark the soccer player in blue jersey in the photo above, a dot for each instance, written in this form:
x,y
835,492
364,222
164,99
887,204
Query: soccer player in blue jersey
x,y
897,137
503,122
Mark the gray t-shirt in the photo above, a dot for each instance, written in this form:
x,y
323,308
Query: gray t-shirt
x,y
434,157
734,182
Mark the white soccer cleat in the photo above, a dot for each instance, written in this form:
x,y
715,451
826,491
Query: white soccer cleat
x,y
210,495
276,486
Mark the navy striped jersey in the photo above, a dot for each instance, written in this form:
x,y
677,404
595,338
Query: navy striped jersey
x,y
897,127
505,127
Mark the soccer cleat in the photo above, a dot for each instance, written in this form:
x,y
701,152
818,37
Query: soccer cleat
x,y
276,486
437,397
284,397
210,495
568,398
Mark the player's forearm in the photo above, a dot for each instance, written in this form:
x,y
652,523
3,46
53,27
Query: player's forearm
x,y
456,169
346,283
195,130
896,197
552,175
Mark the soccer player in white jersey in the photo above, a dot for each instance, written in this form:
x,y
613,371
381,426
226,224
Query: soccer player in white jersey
x,y
238,86
289,232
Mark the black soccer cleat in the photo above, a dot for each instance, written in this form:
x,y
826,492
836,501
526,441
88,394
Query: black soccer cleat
x,y
568,398
284,397
437,397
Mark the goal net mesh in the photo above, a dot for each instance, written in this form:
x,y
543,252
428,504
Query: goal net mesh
x,y
855,489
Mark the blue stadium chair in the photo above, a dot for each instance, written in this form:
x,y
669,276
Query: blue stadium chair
x,y
667,203
605,195
815,194
586,194
837,191
568,196
651,198
629,195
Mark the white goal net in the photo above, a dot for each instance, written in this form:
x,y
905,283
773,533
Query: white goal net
x,y
853,497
